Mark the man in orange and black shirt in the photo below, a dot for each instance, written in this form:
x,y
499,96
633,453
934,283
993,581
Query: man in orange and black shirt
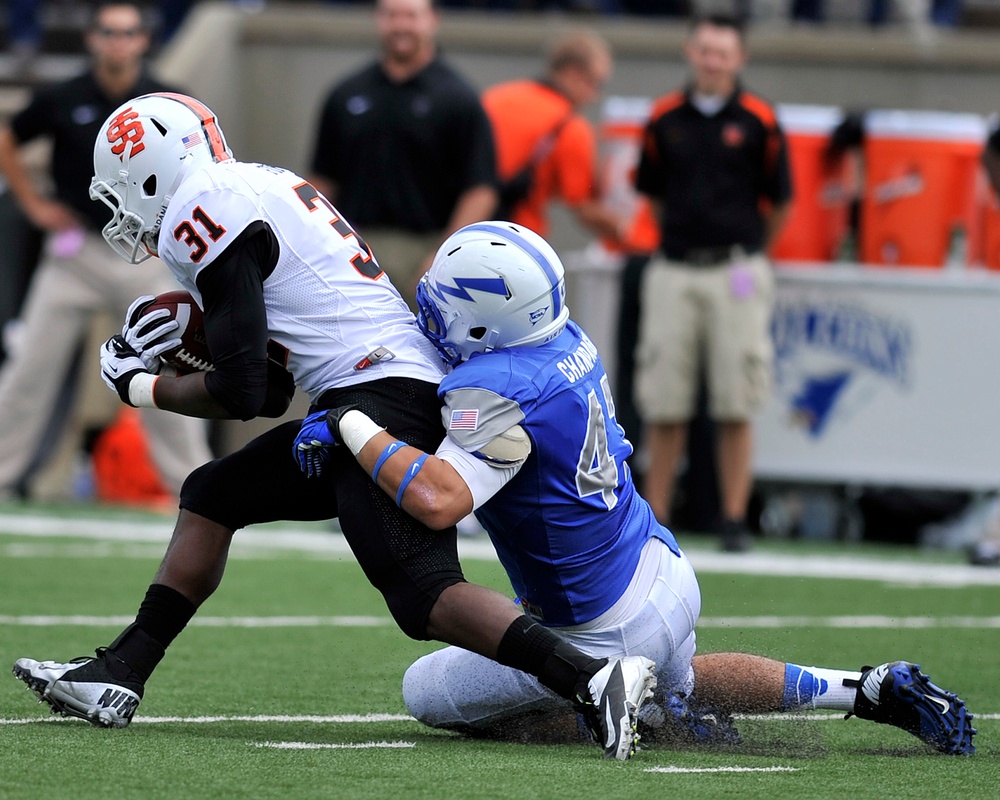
x,y
715,166
545,148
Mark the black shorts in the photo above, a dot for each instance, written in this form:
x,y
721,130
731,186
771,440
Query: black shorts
x,y
406,561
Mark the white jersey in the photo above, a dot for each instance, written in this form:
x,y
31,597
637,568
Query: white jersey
x,y
332,310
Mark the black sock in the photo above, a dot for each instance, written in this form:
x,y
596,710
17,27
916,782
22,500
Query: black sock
x,y
163,614
556,663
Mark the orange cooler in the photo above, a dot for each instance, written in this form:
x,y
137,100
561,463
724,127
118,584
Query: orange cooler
x,y
921,172
818,219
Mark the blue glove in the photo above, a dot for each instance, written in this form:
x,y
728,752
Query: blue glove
x,y
320,432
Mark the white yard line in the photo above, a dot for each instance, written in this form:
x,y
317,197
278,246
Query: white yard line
x,y
323,746
686,770
846,621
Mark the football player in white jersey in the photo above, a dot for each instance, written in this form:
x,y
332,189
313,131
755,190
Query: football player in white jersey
x,y
533,447
290,293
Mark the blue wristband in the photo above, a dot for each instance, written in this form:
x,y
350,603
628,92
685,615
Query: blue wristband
x,y
390,448
411,473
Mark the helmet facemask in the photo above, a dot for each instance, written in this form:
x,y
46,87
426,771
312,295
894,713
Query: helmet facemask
x,y
127,233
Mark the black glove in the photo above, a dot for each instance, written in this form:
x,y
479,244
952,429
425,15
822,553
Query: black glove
x,y
120,363
149,335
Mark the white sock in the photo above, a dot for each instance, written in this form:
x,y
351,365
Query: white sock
x,y
816,687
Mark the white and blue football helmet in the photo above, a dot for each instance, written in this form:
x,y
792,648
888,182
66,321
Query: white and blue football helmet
x,y
492,285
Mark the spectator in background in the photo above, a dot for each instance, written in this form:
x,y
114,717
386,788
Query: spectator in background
x,y
78,275
404,148
715,166
545,147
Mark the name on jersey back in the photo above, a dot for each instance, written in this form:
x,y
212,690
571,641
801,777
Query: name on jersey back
x,y
580,362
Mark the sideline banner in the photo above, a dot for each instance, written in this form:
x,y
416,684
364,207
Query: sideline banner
x,y
884,377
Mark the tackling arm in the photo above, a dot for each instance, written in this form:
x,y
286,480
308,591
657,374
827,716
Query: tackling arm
x,y
436,495
438,489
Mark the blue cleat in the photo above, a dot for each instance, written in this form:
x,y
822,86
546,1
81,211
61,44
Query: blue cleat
x,y
898,694
681,721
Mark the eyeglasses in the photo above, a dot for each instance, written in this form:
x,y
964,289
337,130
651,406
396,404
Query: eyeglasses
x,y
113,33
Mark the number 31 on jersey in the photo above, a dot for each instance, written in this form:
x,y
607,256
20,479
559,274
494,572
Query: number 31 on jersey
x,y
194,232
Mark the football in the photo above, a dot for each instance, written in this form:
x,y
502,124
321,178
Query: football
x,y
193,354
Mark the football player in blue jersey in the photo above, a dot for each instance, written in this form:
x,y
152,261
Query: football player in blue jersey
x,y
534,449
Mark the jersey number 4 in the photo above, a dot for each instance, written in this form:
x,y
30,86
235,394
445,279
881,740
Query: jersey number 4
x,y
597,470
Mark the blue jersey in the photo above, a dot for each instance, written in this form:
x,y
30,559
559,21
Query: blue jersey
x,y
570,526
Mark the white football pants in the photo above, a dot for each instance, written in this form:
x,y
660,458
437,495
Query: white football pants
x,y
655,617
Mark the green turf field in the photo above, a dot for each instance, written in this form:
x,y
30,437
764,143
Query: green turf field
x,y
292,676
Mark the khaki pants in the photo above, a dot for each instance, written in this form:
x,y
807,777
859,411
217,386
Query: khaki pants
x,y
718,313
65,296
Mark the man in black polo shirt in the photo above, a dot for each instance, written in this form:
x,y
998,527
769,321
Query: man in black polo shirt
x,y
404,148
715,166
78,276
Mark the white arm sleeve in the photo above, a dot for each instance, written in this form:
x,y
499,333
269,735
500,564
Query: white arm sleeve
x,y
483,478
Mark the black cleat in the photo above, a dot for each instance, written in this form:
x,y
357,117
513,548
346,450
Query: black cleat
x,y
616,693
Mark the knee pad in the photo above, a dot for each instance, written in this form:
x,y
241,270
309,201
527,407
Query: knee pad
x,y
416,697
426,693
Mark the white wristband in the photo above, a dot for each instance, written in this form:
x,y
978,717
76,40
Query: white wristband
x,y
140,390
357,429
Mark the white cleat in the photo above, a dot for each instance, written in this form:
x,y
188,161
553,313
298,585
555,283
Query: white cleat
x,y
82,688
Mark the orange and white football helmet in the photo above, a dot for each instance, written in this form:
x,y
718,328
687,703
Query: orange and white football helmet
x,y
143,152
